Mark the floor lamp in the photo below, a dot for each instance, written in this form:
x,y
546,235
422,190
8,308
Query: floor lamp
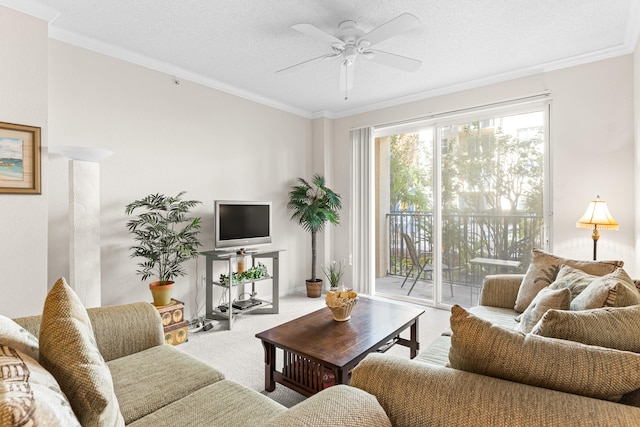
x,y
597,216
84,221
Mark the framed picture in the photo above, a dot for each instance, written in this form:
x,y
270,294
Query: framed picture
x,y
19,159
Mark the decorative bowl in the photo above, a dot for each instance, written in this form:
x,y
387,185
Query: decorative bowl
x,y
343,312
341,303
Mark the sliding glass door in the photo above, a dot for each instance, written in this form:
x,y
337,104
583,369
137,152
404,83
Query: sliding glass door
x,y
457,199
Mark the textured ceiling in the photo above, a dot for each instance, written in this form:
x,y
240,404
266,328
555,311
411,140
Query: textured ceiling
x,y
238,45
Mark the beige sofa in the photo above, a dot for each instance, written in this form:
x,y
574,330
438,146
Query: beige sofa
x,y
426,392
153,384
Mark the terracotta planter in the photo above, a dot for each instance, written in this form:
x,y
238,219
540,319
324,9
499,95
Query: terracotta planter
x,y
314,288
161,293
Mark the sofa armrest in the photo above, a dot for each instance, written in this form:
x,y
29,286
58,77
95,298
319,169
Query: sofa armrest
x,y
30,323
339,405
121,330
420,394
500,290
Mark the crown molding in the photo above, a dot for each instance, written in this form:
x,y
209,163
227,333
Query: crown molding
x,y
49,14
33,8
499,78
37,10
170,69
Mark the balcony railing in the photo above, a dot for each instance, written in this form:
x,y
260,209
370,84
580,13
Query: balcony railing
x,y
465,237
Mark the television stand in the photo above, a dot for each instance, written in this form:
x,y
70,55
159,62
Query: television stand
x,y
257,305
224,254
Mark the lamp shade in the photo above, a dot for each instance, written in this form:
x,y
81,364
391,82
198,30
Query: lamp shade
x,y
597,215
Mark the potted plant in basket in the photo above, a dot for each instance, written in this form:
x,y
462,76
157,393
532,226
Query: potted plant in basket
x,y
313,206
166,237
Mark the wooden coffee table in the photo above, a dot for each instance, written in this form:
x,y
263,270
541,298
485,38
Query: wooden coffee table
x,y
315,346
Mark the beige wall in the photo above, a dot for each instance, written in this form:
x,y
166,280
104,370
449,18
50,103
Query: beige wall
x,y
23,218
167,138
592,148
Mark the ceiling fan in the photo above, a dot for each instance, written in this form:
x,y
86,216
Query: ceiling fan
x,y
350,42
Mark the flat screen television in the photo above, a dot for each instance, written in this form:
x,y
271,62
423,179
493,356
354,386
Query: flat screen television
x,y
241,224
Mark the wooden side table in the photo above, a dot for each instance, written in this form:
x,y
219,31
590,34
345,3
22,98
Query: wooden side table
x,y
175,326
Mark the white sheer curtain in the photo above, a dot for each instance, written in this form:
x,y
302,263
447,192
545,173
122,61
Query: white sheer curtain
x,y
362,239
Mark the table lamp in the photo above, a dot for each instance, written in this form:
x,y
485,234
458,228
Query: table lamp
x,y
597,216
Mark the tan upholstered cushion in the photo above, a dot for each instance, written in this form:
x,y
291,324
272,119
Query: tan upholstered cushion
x,y
17,337
437,352
544,268
29,395
480,347
136,379
615,289
415,394
545,300
611,290
339,405
68,350
222,404
612,327
504,317
573,279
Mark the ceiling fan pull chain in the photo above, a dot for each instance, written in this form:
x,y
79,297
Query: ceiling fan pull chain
x,y
345,65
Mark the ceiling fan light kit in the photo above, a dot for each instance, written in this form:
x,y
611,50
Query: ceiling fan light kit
x,y
350,42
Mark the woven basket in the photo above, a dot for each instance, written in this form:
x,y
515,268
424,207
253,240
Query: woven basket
x,y
314,289
343,312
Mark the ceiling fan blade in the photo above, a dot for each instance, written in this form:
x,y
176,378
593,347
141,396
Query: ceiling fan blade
x,y
346,75
317,33
392,60
307,63
397,25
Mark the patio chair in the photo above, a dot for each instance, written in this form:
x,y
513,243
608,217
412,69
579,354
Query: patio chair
x,y
422,266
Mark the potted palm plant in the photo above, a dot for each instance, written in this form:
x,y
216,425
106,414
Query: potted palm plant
x,y
314,205
165,237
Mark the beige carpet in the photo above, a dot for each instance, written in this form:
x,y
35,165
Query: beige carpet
x,y
240,355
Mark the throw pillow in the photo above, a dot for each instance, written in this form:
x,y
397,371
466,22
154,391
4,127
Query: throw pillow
x,y
612,327
611,290
29,395
486,349
545,300
17,337
573,279
68,350
544,268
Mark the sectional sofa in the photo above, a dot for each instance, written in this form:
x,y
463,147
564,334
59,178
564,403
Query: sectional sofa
x,y
557,346
559,360
110,366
